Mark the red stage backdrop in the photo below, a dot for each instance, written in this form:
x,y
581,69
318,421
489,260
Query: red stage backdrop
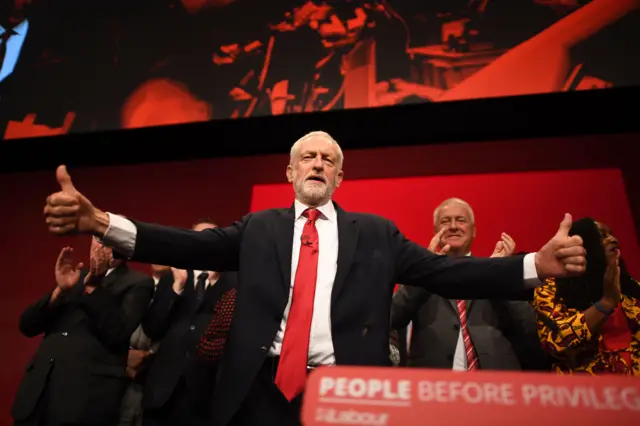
x,y
527,206
521,187
126,64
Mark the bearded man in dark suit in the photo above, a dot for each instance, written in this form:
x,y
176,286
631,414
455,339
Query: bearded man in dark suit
x,y
315,281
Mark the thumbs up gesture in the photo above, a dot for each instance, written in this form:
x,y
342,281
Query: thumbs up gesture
x,y
563,255
69,212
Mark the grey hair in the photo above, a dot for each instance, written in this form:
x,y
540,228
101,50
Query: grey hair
x,y
453,200
318,134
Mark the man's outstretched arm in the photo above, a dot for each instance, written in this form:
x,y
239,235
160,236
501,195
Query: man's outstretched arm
x,y
70,212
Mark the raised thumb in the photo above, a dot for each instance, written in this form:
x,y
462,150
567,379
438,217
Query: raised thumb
x,y
64,179
565,226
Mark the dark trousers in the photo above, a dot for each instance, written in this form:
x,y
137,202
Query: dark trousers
x,y
265,405
179,410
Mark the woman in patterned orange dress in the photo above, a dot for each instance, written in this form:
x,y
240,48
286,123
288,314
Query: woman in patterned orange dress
x,y
591,324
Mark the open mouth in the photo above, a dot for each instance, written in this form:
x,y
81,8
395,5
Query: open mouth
x,y
316,179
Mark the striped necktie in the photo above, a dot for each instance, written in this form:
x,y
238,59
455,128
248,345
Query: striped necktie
x,y
472,357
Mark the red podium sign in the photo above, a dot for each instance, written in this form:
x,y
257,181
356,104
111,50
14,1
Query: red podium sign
x,y
408,396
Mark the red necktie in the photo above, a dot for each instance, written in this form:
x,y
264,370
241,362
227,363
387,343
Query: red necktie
x,y
472,358
292,367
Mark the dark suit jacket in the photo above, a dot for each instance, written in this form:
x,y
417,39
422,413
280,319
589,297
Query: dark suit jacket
x,y
82,358
499,330
373,256
180,322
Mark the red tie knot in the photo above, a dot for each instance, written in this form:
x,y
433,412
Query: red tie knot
x,y
311,214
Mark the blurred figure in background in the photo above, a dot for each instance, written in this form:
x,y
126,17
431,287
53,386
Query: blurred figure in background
x,y
77,376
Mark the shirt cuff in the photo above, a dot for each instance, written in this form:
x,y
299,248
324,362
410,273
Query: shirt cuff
x,y
531,279
120,235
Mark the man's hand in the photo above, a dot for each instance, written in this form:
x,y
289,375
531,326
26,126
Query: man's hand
x,y
92,281
563,255
69,212
179,279
435,243
67,271
135,361
100,259
505,247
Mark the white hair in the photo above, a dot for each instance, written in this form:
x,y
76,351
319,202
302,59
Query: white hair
x,y
453,200
316,134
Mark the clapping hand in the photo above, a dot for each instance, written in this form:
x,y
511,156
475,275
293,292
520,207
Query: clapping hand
x,y
179,279
505,247
67,271
435,243
99,261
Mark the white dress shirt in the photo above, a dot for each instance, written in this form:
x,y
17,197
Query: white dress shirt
x,y
121,235
320,342
14,45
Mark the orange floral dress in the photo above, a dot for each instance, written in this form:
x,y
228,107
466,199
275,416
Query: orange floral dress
x,y
565,336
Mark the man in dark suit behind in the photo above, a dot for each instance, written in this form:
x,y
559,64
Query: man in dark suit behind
x,y
466,335
338,267
77,375
178,388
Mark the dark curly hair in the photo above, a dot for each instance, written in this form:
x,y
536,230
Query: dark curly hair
x,y
583,291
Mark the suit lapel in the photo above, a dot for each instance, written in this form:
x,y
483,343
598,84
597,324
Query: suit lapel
x,y
283,231
110,279
454,305
469,303
28,57
348,240
190,291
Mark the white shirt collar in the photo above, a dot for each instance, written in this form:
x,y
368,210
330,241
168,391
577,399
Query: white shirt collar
x,y
110,270
328,210
19,29
196,274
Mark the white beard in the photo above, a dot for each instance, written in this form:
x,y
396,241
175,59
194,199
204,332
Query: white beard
x,y
313,192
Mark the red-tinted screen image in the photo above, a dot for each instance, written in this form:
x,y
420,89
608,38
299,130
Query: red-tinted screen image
x,y
527,206
125,64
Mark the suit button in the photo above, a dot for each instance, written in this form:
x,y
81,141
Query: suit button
x,y
192,327
51,360
64,333
263,349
